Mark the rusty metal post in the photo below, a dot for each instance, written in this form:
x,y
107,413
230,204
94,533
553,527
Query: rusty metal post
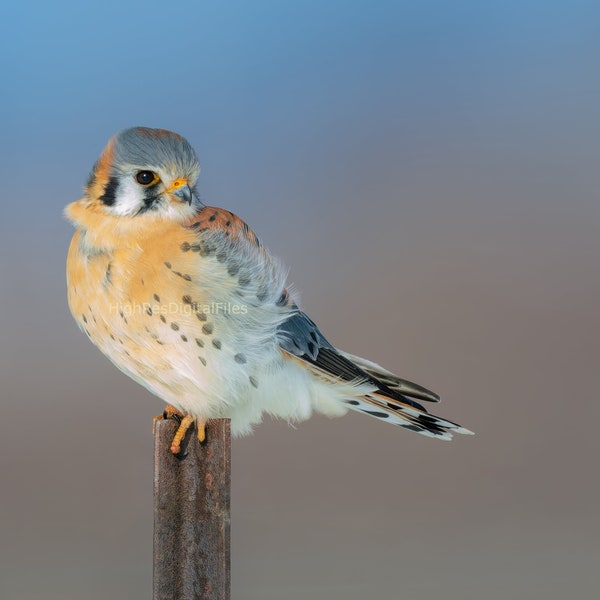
x,y
191,515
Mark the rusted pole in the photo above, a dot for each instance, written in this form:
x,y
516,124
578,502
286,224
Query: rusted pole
x,y
191,515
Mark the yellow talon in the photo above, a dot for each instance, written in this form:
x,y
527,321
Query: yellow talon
x,y
185,424
201,425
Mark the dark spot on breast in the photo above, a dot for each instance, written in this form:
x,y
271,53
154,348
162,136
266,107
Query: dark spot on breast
x,y
244,279
212,217
157,297
200,342
185,247
107,275
142,282
240,358
174,326
202,360
159,342
207,328
149,310
186,299
183,338
227,223
216,344
233,268
222,256
261,295
163,319
84,318
113,337
183,275
253,381
201,316
196,247
168,265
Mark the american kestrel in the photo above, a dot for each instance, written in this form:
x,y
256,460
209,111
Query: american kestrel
x,y
185,299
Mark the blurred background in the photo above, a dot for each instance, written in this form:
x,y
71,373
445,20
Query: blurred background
x,y
429,168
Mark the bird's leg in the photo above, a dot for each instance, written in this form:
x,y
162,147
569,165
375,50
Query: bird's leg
x,y
201,429
184,425
185,422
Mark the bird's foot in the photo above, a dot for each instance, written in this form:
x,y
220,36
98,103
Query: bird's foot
x,y
185,422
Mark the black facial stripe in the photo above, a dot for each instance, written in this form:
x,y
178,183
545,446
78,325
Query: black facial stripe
x,y
151,200
109,196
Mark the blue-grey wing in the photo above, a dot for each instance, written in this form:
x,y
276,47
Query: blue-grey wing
x,y
300,336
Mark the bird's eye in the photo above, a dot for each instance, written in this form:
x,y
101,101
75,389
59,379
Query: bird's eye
x,y
146,177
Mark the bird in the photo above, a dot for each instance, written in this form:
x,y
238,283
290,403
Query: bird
x,y
186,300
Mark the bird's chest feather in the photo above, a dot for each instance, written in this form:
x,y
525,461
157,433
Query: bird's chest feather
x,y
170,314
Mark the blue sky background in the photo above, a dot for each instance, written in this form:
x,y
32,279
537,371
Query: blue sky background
x,y
429,172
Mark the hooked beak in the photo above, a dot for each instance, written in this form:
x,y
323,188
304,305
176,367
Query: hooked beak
x,y
182,190
185,194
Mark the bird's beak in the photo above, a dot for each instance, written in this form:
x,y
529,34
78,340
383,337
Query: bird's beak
x,y
182,190
185,194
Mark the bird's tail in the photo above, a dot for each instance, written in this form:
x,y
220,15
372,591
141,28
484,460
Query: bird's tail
x,y
395,403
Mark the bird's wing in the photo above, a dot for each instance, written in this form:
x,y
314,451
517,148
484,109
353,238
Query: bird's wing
x,y
391,398
300,336
392,381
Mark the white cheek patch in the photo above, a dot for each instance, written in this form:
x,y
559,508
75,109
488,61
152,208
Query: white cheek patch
x,y
129,199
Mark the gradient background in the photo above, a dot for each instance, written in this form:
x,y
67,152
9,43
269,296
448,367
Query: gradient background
x,y
429,171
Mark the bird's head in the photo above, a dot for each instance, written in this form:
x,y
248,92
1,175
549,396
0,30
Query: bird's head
x,y
143,172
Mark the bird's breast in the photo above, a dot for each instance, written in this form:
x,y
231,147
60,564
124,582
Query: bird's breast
x,y
173,315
